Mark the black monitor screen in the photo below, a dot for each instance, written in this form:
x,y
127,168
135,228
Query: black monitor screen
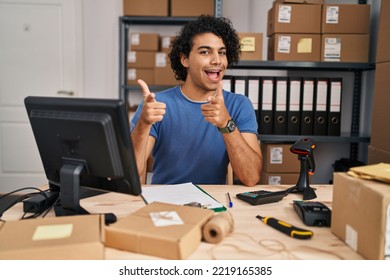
x,y
84,142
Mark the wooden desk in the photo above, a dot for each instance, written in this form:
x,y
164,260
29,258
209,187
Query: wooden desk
x,y
251,239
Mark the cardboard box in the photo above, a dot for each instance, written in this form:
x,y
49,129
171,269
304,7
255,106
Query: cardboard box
x,y
190,8
145,8
361,215
163,73
383,43
59,238
380,138
144,41
166,43
139,233
279,178
141,59
376,155
345,47
301,1
294,47
146,74
346,19
294,18
277,158
251,45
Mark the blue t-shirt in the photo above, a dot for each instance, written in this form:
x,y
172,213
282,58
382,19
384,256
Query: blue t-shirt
x,y
188,148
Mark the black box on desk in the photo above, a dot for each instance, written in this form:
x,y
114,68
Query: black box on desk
x,y
361,215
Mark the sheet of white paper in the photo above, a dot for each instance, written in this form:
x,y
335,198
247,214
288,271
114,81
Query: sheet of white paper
x,y
179,194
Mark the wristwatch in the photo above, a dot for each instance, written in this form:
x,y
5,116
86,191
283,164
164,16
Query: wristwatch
x,y
230,127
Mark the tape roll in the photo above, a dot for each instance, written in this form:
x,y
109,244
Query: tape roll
x,y
218,227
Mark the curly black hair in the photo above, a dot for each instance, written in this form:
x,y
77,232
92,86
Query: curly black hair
x,y
219,26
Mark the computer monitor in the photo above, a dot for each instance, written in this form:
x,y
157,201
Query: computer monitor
x,y
83,142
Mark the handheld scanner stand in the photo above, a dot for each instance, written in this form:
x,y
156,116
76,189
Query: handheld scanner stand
x,y
305,148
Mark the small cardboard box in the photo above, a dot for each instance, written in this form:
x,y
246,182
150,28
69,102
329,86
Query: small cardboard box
x,y
140,233
141,59
301,1
59,238
251,45
279,178
146,74
346,19
279,159
145,8
191,8
345,47
163,73
144,41
294,47
294,18
361,215
383,43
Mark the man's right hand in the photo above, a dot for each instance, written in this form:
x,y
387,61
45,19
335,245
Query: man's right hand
x,y
152,111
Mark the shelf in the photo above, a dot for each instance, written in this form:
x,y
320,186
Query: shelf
x,y
141,20
294,65
316,138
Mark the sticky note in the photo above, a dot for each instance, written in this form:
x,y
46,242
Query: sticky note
x,y
47,232
304,45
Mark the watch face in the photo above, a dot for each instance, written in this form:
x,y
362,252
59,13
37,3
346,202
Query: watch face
x,y
231,126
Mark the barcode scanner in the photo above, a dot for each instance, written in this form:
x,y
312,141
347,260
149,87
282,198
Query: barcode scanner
x,y
304,148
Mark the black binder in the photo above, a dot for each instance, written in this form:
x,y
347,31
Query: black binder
x,y
294,106
266,106
307,106
280,105
334,106
320,107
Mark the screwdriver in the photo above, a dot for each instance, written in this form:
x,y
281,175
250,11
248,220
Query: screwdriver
x,y
286,228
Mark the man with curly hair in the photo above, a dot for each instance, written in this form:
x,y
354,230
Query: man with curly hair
x,y
195,129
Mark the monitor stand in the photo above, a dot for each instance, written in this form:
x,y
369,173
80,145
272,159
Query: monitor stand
x,y
70,193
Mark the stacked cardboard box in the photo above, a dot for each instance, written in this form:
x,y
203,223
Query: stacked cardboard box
x,y
174,8
294,31
280,166
345,32
379,149
314,31
147,59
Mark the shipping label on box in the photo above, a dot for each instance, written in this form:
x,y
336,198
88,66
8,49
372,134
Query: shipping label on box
x,y
332,49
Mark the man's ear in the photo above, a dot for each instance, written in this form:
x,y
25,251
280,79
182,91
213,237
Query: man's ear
x,y
184,60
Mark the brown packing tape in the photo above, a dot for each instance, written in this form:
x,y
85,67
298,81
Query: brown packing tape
x,y
218,227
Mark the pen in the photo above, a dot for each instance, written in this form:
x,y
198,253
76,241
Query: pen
x,y
286,228
230,201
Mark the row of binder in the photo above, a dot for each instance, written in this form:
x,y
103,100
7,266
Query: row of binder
x,y
292,105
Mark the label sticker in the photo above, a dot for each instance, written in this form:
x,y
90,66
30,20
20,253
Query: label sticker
x,y
135,39
274,180
351,237
284,44
166,218
276,156
332,15
332,49
284,14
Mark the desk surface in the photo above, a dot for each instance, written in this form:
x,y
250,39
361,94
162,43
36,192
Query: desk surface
x,y
251,239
